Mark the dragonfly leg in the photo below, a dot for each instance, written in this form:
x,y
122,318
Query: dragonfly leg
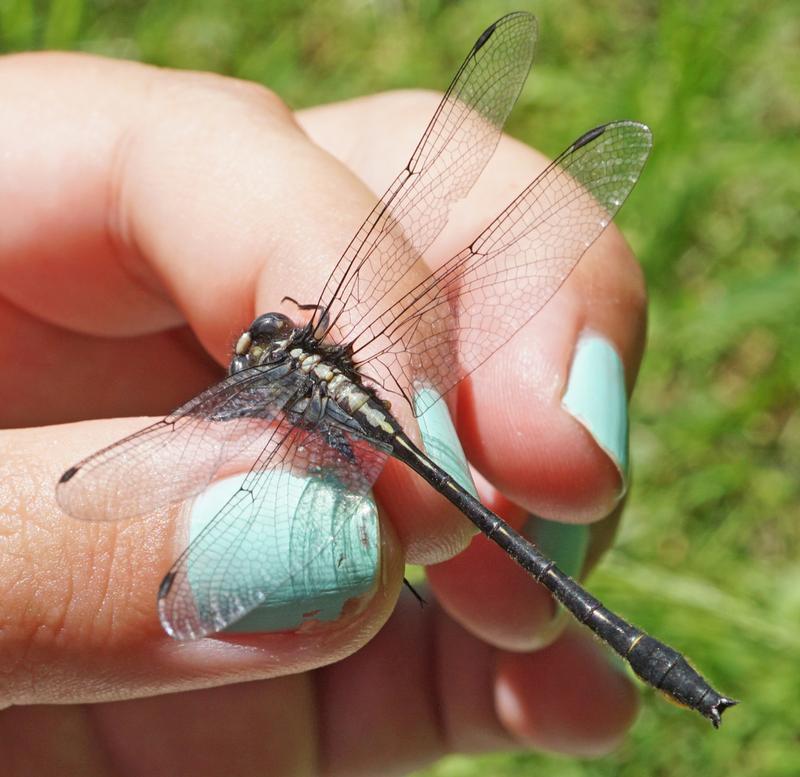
x,y
417,595
324,318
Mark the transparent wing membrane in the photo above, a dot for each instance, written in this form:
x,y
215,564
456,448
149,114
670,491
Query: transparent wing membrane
x,y
175,458
298,478
454,320
453,151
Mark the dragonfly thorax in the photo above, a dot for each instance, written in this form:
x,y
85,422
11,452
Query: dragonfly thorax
x,y
273,338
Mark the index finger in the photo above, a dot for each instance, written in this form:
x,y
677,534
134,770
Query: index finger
x,y
155,196
133,190
199,199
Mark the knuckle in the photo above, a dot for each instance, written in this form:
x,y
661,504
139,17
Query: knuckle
x,y
56,585
405,103
36,601
196,89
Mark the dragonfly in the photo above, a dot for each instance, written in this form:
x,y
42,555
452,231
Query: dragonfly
x,y
315,399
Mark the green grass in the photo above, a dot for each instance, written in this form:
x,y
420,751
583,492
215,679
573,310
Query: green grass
x,y
707,556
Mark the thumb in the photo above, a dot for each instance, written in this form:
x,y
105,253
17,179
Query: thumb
x,y
80,598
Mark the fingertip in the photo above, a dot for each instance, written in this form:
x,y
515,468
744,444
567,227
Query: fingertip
x,y
82,594
519,433
567,698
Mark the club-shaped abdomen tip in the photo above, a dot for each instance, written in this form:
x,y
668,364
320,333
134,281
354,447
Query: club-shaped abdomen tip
x,y
68,475
714,714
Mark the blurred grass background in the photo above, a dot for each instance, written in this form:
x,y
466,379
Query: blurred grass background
x,y
707,558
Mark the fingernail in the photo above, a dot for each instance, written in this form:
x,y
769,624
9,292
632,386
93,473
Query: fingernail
x,y
311,562
567,545
617,663
440,438
564,543
596,397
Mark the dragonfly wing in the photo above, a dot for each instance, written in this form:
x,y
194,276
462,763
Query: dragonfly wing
x,y
449,324
175,458
298,498
452,153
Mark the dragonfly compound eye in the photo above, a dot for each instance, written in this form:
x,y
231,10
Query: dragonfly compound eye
x,y
270,325
238,363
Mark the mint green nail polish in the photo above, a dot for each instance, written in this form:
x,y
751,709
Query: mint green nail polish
x,y
308,575
440,438
596,397
565,543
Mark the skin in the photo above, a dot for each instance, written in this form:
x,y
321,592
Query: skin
x,y
148,216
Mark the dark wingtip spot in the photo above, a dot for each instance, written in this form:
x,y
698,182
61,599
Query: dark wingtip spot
x,y
68,475
485,35
166,585
588,137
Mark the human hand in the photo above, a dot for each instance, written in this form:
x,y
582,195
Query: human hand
x,y
125,191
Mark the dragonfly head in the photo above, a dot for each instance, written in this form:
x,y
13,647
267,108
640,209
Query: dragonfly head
x,y
261,341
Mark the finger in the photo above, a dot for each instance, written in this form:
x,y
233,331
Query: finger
x,y
80,598
422,688
567,699
210,732
179,175
543,458
206,732
94,375
447,691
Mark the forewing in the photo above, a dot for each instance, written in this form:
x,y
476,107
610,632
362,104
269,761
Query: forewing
x,y
175,458
242,557
454,149
453,321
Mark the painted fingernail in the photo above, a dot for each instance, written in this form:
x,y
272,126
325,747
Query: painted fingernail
x,y
567,545
596,397
564,543
440,438
310,562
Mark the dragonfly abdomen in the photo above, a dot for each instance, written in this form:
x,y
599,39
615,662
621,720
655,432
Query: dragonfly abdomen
x,y
654,662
